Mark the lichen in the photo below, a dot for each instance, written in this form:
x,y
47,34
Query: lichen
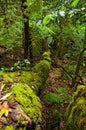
x,y
75,116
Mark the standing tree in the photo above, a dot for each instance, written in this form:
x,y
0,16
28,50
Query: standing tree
x,y
27,38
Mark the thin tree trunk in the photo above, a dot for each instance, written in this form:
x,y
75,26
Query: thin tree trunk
x,y
26,41
79,62
78,68
27,38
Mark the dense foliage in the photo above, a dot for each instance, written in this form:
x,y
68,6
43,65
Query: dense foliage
x,y
40,25
52,23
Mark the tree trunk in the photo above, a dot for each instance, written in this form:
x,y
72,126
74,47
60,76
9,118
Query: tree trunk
x,y
27,38
20,106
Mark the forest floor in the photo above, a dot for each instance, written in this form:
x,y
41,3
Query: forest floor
x,y
53,113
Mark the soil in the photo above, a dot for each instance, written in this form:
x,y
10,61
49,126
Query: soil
x,y
51,111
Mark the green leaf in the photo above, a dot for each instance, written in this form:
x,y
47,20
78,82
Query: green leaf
x,y
62,90
49,30
49,40
84,54
75,2
2,112
52,97
47,19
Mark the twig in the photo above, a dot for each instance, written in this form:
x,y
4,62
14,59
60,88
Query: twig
x,y
60,66
1,89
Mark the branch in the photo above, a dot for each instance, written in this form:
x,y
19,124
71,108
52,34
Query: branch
x,y
60,66
78,67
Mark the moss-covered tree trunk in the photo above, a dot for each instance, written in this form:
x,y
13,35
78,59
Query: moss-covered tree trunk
x,y
20,106
75,116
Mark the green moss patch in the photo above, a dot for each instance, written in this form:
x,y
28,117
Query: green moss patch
x,y
28,101
7,76
25,86
76,112
9,128
37,77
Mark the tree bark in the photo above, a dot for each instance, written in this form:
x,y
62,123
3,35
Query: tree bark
x,y
27,38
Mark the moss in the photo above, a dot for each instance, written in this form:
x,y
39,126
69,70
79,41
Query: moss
x,y
81,90
75,116
26,86
46,55
37,77
9,128
13,128
28,101
7,77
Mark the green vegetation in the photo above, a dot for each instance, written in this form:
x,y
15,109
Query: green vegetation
x,y
76,112
57,98
28,101
32,30
24,87
9,128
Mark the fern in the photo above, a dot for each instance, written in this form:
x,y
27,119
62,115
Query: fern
x,y
57,98
52,97
62,91
47,19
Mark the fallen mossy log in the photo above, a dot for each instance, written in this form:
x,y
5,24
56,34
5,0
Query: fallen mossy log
x,y
20,105
75,116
